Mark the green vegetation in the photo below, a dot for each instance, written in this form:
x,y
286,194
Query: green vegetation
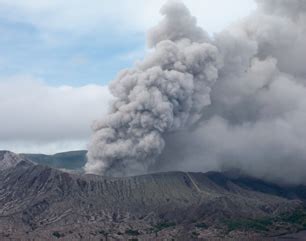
x,y
201,225
58,234
164,225
132,232
296,219
249,224
160,226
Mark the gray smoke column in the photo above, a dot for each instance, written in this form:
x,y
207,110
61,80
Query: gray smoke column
x,y
235,101
257,117
164,93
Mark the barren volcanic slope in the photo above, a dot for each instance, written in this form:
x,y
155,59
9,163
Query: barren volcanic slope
x,y
41,203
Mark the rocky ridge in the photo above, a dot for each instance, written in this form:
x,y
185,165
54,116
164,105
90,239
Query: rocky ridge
x,y
41,203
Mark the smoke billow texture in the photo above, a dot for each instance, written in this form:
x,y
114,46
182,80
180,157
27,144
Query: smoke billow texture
x,y
234,101
164,93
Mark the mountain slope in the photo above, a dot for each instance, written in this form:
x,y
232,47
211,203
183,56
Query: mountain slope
x,y
72,160
41,203
10,160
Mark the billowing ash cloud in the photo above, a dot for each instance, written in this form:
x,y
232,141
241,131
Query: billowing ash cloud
x,y
165,92
237,101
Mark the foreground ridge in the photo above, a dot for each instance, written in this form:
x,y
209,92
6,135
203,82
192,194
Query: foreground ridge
x,y
42,203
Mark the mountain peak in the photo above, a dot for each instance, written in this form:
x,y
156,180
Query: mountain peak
x,y
9,159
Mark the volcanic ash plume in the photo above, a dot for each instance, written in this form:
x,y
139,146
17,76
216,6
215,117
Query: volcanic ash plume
x,y
235,101
164,93
257,117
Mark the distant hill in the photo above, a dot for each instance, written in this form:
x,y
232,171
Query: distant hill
x,y
72,160
42,203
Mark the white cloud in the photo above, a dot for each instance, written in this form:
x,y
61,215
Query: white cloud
x,y
138,15
34,114
42,147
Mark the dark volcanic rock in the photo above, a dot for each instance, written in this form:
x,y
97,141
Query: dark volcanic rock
x,y
38,201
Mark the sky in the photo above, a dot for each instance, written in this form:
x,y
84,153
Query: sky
x,y
57,58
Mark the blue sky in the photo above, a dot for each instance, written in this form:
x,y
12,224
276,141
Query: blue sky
x,y
68,59
57,58
81,42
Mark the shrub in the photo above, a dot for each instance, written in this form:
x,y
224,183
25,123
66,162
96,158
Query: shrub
x,y
132,232
164,225
201,225
57,234
249,224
